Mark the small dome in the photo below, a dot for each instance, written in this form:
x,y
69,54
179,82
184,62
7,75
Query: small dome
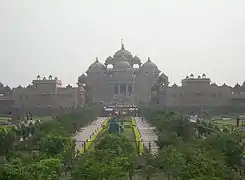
x,y
137,60
82,78
149,66
122,65
108,60
96,65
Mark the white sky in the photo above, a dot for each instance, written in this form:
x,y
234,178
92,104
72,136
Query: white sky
x,y
63,37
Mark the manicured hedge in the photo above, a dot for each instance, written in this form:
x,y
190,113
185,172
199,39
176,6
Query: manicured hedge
x,y
93,138
137,137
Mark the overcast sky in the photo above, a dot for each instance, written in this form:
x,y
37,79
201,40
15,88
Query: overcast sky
x,y
63,37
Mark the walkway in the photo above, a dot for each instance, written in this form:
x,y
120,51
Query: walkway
x,y
147,134
87,131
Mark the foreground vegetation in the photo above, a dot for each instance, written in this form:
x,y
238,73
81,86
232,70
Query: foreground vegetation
x,y
48,153
198,151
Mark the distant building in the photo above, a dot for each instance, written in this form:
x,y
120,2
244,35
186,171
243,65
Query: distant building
x,y
47,93
6,101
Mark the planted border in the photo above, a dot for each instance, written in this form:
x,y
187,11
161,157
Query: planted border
x,y
93,137
137,137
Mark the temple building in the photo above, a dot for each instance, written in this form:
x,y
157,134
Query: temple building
x,y
123,83
122,79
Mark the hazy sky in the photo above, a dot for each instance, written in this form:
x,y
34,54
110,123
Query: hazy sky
x,y
63,37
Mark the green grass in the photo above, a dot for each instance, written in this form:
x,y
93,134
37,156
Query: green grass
x,y
129,134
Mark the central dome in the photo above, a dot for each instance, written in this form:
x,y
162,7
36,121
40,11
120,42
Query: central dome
x,y
123,52
122,65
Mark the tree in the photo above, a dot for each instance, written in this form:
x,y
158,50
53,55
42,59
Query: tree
x,y
7,139
204,166
53,145
46,169
98,166
171,162
229,145
120,146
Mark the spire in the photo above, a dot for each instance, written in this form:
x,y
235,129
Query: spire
x,y
149,59
122,45
97,59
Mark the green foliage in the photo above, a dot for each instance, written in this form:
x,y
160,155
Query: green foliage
x,y
47,169
115,143
196,150
112,159
171,161
98,166
227,144
42,155
7,139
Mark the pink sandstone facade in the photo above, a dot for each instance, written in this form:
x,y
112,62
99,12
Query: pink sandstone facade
x,y
119,81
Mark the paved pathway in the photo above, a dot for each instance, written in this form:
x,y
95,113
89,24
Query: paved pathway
x,y
87,131
147,134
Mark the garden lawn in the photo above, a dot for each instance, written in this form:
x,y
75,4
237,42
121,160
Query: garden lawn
x,y
129,134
